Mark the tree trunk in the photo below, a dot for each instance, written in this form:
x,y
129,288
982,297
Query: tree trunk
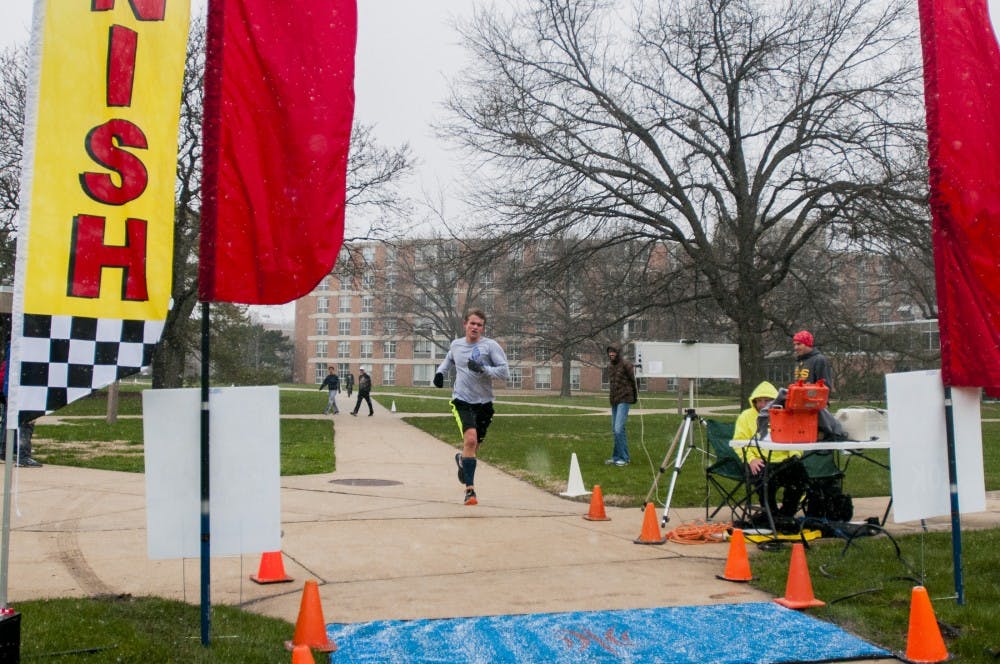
x,y
112,415
566,389
749,330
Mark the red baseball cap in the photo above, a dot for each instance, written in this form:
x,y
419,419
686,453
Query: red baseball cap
x,y
803,337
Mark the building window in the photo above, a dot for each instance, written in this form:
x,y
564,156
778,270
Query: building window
x,y
367,304
389,349
321,348
543,378
389,327
390,280
638,329
345,304
423,374
574,378
367,350
368,280
541,353
342,370
425,255
514,382
343,349
367,327
422,349
322,326
322,305
514,351
324,283
344,327
389,374
320,372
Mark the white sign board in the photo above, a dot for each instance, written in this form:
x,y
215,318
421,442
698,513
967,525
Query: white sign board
x,y
919,453
664,359
244,476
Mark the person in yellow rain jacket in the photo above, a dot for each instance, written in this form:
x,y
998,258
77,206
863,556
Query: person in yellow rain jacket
x,y
784,469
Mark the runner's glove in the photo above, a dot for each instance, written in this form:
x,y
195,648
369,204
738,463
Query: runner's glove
x,y
439,380
476,367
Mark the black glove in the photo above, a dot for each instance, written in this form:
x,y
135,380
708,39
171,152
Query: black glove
x,y
439,380
476,367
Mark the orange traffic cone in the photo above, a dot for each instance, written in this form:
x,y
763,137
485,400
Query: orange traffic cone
x,y
923,641
596,512
737,564
650,528
271,569
799,589
310,628
302,655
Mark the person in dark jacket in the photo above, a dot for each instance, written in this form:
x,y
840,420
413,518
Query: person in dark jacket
x,y
332,383
364,392
349,384
623,392
811,366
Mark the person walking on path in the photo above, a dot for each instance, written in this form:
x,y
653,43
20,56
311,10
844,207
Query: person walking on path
x,y
477,361
332,383
811,366
623,392
364,392
349,384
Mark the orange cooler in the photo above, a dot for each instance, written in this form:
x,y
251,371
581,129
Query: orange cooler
x,y
789,426
807,397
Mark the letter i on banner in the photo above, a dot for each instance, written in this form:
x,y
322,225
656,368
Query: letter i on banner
x,y
95,242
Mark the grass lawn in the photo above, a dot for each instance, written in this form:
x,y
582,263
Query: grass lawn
x,y
147,629
867,587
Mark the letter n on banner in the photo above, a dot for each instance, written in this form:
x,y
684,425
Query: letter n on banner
x,y
95,242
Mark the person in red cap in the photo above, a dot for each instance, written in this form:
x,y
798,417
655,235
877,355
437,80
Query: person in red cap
x,y
811,366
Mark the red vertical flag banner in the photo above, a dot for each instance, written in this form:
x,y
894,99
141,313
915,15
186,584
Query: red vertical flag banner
x,y
279,104
96,223
962,93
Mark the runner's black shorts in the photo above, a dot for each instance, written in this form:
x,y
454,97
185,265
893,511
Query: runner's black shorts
x,y
472,416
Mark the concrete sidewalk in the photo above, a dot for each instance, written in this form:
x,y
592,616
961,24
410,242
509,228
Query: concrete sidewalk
x,y
386,537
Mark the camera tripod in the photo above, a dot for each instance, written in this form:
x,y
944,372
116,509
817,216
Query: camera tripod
x,y
683,443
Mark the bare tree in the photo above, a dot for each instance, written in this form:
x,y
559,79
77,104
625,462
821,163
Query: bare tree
x,y
431,282
13,94
767,125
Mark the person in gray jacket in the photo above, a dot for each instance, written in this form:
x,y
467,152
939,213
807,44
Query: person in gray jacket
x,y
477,361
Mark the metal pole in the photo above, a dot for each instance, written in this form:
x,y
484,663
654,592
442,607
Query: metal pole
x,y
956,519
206,549
5,557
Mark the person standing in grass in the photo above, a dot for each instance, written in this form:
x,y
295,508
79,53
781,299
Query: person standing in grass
x,y
477,360
332,383
623,392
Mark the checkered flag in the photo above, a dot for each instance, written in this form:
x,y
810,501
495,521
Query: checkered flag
x,y
65,358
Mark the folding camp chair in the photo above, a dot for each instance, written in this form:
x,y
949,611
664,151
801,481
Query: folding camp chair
x,y
825,479
726,474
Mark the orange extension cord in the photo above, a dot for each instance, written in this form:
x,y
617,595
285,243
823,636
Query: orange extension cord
x,y
699,532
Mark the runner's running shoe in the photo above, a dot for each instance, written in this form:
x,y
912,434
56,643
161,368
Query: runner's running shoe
x,y
470,498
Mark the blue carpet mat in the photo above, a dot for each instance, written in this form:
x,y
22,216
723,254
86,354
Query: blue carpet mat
x,y
756,632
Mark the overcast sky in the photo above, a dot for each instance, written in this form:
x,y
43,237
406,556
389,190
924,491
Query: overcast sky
x,y
406,51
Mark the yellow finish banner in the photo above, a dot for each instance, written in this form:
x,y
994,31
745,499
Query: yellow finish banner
x,y
104,158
